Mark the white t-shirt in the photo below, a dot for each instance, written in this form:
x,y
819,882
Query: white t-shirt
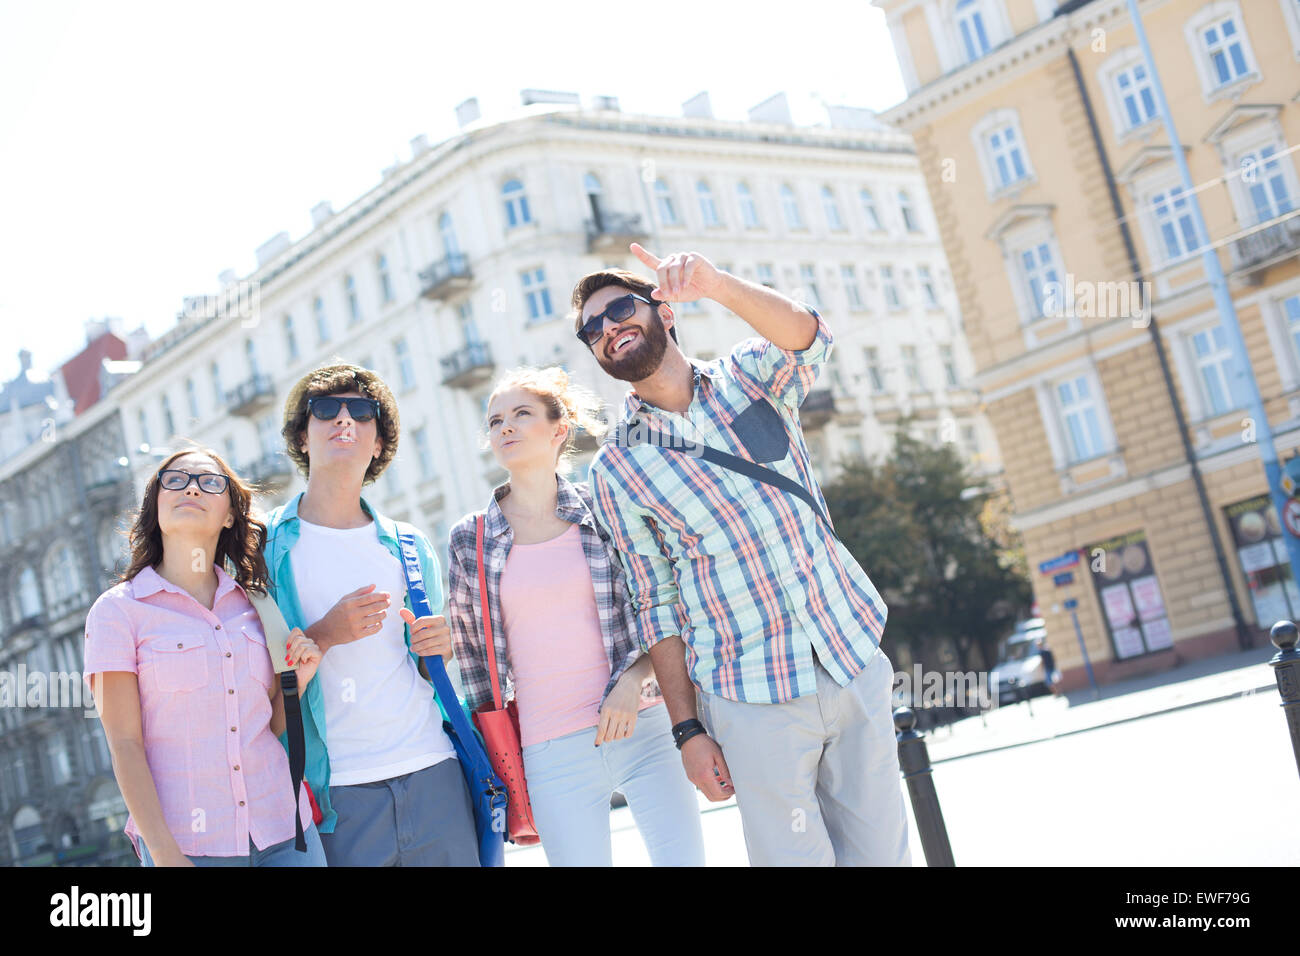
x,y
381,718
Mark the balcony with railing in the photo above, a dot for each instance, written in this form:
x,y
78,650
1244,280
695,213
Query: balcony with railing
x,y
817,409
449,276
468,366
613,231
251,397
271,473
1254,252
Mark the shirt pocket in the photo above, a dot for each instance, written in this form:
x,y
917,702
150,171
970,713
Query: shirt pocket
x,y
175,664
760,429
259,658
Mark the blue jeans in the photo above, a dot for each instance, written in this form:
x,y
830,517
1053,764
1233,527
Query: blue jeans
x,y
570,782
278,854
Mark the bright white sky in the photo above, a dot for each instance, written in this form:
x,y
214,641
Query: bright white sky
x,y
145,147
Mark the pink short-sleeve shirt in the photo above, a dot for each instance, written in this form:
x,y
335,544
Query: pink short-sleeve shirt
x,y
205,679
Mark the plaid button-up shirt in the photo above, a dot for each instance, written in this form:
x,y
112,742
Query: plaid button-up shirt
x,y
464,606
745,573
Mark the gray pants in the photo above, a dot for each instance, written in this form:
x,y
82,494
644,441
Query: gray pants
x,y
418,819
817,778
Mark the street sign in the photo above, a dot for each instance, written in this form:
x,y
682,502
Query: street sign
x,y
1291,514
1071,604
1069,559
1065,577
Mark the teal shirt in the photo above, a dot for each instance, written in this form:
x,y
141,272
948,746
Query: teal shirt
x,y
282,531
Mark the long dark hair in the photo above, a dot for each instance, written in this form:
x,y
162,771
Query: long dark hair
x,y
239,547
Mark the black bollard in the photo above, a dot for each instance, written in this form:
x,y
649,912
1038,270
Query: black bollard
x,y
1286,670
914,761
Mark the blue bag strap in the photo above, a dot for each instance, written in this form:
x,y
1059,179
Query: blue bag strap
x,y
437,670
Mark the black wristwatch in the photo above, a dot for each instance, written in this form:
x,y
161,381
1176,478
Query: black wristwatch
x,y
686,730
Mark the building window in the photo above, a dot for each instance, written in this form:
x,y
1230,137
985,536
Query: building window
x,y
849,276
908,212
447,232
1078,410
57,751
927,286
191,399
1216,367
765,274
1221,43
1173,219
465,312
63,575
1263,175
423,452
516,201
664,203
790,206
869,210
748,211
536,295
1136,97
169,424
949,365
250,351
385,278
1040,275
1004,150
1262,553
29,594
322,324
218,396
912,369
834,222
971,27
708,208
808,278
290,340
142,422
1291,308
405,366
354,307
890,287
1128,592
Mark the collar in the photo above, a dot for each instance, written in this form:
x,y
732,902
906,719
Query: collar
x,y
700,369
569,506
148,582
385,527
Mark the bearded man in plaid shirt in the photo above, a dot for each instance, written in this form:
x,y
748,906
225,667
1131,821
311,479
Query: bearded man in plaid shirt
x,y
739,588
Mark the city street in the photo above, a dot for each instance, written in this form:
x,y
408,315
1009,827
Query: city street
x,y
1213,785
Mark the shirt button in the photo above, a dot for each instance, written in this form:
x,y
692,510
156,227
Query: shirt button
x,y
218,627
232,730
231,691
241,803
236,766
227,653
180,645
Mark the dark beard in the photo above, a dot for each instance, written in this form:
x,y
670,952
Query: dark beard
x,y
644,359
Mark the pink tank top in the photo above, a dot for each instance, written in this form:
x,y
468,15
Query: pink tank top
x,y
553,637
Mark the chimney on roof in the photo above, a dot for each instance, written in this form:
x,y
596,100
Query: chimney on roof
x,y
698,106
467,112
605,103
774,109
321,213
419,145
25,360
529,97
852,117
272,248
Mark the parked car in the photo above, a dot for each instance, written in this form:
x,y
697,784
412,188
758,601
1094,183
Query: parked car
x,y
1021,672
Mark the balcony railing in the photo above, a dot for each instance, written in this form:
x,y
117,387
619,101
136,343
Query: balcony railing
x,y
613,231
272,472
817,408
446,277
252,397
468,366
1263,246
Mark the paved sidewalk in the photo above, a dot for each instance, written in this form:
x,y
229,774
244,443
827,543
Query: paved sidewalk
x,y
1197,682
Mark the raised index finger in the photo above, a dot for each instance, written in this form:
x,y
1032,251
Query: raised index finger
x,y
648,258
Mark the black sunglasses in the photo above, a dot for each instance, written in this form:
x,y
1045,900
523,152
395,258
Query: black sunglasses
x,y
175,480
620,310
326,408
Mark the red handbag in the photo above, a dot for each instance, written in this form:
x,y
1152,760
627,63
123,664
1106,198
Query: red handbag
x,y
500,729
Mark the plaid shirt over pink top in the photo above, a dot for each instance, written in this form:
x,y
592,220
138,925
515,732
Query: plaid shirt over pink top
x,y
205,708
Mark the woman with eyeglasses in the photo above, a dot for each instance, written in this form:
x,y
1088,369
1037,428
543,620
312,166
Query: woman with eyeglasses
x,y
184,684
563,637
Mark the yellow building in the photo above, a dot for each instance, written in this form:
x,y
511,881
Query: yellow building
x,y
1098,349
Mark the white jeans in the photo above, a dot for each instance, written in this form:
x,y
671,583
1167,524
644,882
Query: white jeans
x,y
817,778
570,782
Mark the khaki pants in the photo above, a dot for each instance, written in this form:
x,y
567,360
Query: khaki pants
x,y
817,778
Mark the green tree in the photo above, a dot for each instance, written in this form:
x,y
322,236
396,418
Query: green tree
x,y
914,523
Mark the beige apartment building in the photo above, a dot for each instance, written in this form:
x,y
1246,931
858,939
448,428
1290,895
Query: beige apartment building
x,y
1098,349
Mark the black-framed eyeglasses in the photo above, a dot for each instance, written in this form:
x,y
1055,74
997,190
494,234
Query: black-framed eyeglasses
x,y
326,407
619,310
175,480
